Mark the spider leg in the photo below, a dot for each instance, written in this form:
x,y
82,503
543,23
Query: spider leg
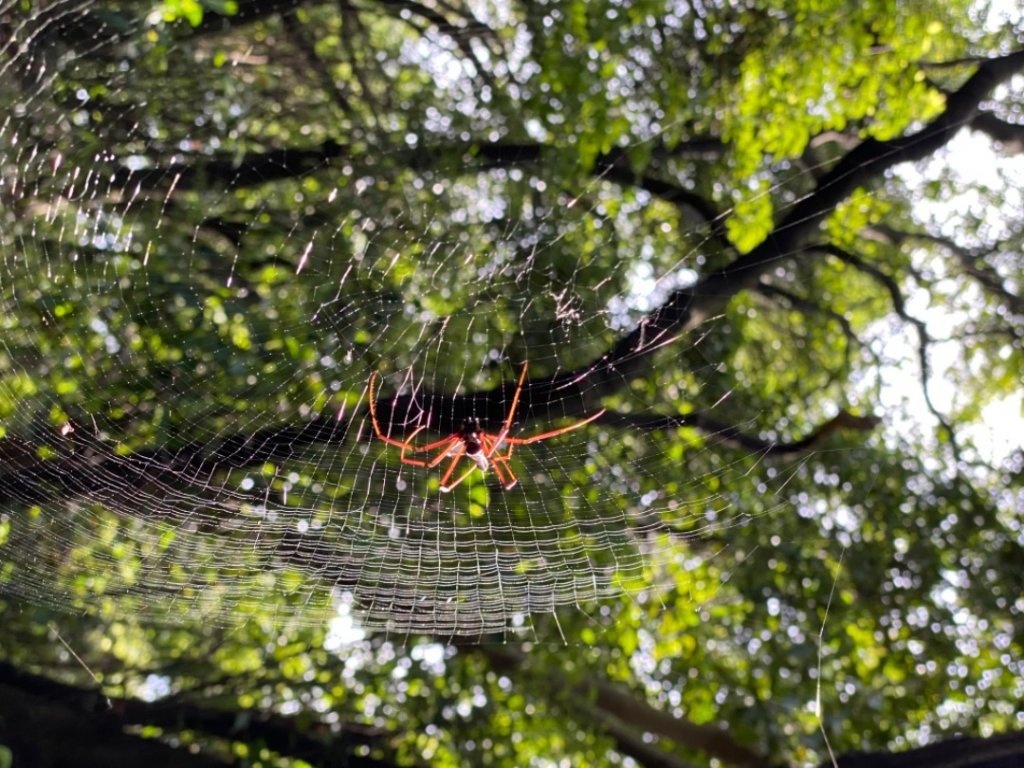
x,y
511,411
452,486
442,455
435,444
499,473
492,443
413,462
554,432
499,461
429,462
408,444
405,445
489,444
446,487
506,476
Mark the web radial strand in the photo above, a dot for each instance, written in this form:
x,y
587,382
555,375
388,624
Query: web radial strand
x,y
186,359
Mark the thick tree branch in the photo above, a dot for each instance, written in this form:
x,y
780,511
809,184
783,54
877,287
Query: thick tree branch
x,y
1001,751
712,740
628,709
688,307
258,168
81,467
732,435
631,742
1009,135
101,723
503,154
251,170
336,748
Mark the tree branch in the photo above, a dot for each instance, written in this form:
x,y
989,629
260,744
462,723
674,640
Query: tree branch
x,y
732,436
257,168
1001,751
628,709
614,169
630,742
251,170
79,466
214,21
99,722
808,307
463,31
971,261
320,69
1009,135
923,339
688,307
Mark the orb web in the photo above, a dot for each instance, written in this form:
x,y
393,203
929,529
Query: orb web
x,y
190,322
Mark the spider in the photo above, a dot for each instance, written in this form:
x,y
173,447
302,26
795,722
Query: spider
x,y
480,446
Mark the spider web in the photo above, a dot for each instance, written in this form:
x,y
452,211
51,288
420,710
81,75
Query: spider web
x,y
186,357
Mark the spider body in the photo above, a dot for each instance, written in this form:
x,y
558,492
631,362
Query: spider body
x,y
474,446
472,441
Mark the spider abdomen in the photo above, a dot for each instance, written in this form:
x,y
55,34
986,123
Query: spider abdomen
x,y
475,450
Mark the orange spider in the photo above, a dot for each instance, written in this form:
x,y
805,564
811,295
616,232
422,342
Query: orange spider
x,y
480,446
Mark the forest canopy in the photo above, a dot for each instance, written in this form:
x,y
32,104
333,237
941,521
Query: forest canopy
x,y
502,384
